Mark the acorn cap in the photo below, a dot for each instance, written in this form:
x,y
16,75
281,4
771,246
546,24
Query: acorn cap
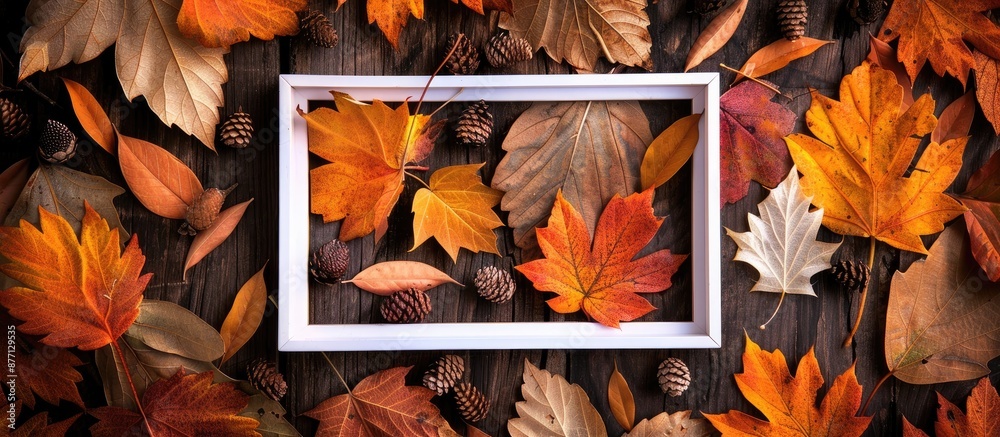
x,y
203,211
329,262
57,143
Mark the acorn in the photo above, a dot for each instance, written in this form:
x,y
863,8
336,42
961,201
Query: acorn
x,y
57,143
204,210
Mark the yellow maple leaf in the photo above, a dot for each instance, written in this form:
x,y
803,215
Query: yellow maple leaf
x,y
457,210
368,147
856,166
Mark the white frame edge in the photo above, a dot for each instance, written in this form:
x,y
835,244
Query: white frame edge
x,y
296,334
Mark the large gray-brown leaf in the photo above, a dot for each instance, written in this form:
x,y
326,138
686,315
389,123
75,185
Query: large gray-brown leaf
x,y
553,407
943,319
64,31
590,150
62,191
171,328
679,424
581,31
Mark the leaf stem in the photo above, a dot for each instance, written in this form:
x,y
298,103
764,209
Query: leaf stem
x,y
878,385
764,326
339,376
765,84
409,132
131,385
864,295
417,179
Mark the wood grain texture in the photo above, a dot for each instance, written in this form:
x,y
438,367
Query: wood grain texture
x,y
254,66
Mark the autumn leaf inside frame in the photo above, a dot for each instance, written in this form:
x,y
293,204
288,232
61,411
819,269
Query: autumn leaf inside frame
x,y
456,209
602,276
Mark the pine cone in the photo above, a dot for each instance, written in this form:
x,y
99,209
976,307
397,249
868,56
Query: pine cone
x,y
475,125
471,402
465,59
494,285
237,130
792,18
14,121
443,374
204,210
329,263
504,50
56,144
674,376
264,376
407,306
705,7
317,28
854,276
867,11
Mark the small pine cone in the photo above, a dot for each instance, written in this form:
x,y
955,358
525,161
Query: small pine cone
x,y
504,50
56,144
792,18
443,374
674,376
317,29
867,11
264,376
237,130
465,59
407,306
852,275
475,125
204,210
471,402
705,7
14,121
494,285
329,263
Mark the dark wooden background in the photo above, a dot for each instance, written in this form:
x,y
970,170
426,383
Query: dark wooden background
x,y
804,322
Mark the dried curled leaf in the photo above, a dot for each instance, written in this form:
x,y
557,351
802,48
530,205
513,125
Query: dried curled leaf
x,y
382,404
457,210
670,151
12,182
245,316
221,23
716,34
988,87
931,307
884,55
983,406
956,119
165,185
386,278
789,402
982,197
553,407
92,117
602,276
81,293
206,241
777,55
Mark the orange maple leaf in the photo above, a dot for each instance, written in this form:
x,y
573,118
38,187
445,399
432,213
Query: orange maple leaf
x,y
181,405
391,15
983,406
82,294
855,168
368,147
457,210
789,403
933,30
602,277
221,23
382,405
48,372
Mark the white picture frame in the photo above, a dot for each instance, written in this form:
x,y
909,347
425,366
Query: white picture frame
x,y
295,333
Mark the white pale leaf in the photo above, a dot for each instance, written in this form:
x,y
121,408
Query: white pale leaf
x,y
553,407
64,31
782,244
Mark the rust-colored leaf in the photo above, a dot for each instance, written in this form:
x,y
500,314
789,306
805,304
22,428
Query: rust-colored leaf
x,y
620,399
47,371
679,424
884,55
603,276
789,402
956,119
669,151
12,182
911,431
983,406
943,320
751,129
39,426
481,6
988,87
161,182
386,278
221,23
982,197
932,31
471,431
76,293
93,119
206,241
777,55
180,405
716,34
245,316
457,210
368,148
382,405
856,167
